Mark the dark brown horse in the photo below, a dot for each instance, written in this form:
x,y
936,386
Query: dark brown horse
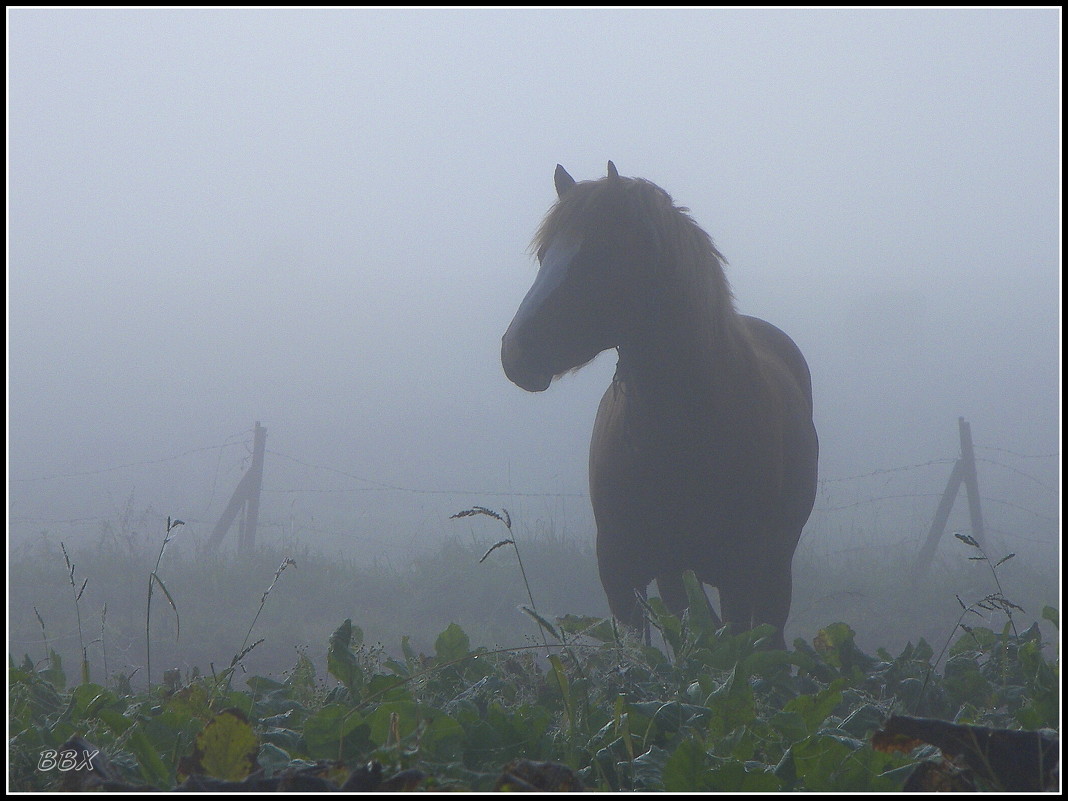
x,y
704,454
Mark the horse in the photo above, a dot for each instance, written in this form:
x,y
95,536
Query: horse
x,y
704,454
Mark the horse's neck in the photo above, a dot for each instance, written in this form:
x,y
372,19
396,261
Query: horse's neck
x,y
694,344
676,367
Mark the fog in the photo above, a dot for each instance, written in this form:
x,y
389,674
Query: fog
x,y
319,220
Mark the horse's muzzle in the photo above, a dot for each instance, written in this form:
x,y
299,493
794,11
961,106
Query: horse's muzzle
x,y
520,368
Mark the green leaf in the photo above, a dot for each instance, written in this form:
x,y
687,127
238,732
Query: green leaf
x,y
1042,709
54,674
648,769
393,719
597,628
452,644
287,740
686,770
442,738
387,688
503,734
341,661
789,725
964,681
830,763
227,747
153,769
832,643
336,732
923,651
1052,615
115,720
765,663
302,676
698,614
817,759
561,682
976,638
191,701
399,668
732,706
668,624
262,685
88,699
272,759
814,709
734,778
864,720
786,770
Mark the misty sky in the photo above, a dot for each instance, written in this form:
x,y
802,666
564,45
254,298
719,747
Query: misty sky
x,y
320,220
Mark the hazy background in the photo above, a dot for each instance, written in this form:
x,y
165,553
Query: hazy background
x,y
319,220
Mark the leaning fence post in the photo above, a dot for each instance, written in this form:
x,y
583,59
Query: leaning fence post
x,y
246,498
938,525
964,472
252,505
971,482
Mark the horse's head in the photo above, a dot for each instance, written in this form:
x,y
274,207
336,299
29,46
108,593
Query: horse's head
x,y
595,248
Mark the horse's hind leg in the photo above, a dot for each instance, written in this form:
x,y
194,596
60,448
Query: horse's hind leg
x,y
672,592
773,603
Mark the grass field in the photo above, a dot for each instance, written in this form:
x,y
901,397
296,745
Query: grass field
x,y
219,604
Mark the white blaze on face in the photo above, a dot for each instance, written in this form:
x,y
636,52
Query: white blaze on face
x,y
555,265
518,353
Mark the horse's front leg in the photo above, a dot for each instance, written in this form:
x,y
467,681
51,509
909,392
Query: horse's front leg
x,y
758,594
624,586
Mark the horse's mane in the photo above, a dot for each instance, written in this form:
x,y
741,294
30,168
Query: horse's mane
x,y
679,245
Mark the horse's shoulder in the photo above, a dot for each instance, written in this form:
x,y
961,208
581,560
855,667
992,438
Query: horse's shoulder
x,y
775,347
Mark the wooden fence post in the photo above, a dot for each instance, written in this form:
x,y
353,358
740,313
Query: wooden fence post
x,y
246,498
971,481
964,472
252,505
938,525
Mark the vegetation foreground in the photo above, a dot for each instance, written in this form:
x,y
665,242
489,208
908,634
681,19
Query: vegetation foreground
x,y
583,706
717,712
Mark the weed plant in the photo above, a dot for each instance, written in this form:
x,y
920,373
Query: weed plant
x,y
718,713
220,595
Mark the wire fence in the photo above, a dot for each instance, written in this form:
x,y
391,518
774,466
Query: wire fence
x,y
889,505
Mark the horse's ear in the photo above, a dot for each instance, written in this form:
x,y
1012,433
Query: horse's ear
x,y
562,180
613,173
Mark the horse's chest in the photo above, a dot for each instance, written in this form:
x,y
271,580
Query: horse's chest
x,y
680,461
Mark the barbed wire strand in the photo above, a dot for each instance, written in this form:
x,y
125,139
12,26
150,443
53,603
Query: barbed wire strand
x,y
1011,469
145,463
380,486
1017,453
